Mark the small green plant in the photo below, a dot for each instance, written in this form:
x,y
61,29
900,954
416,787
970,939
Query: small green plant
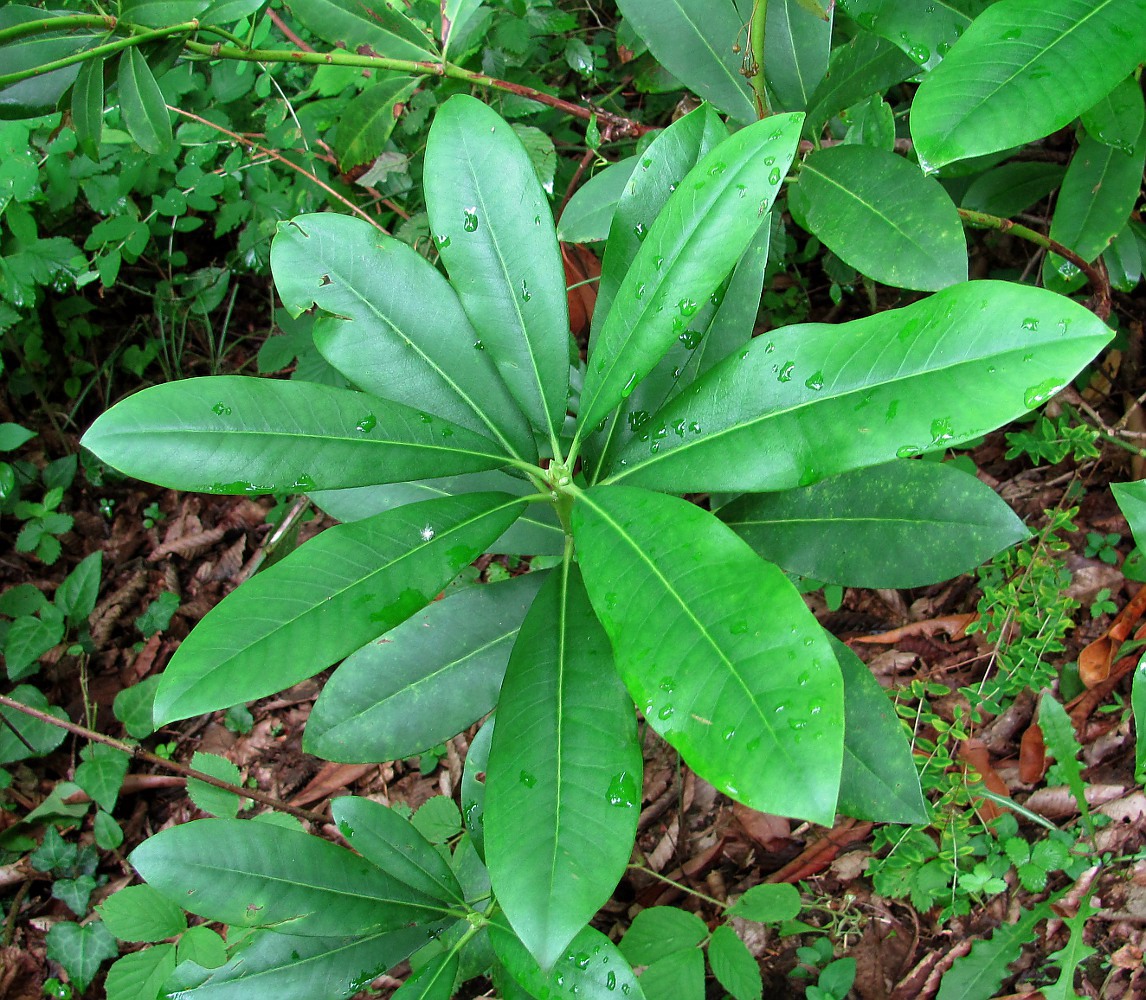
x,y
1104,546
1102,604
1053,439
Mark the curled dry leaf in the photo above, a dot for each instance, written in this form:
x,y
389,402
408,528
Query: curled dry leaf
x,y
1094,661
582,269
1032,755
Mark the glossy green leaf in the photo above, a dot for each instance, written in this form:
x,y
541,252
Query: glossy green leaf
x,y
592,968
495,233
693,40
1022,70
563,785
924,29
76,595
809,401
87,106
139,913
473,785
343,588
536,533
210,798
395,326
391,842
273,966
433,981
455,14
870,123
1117,119
879,781
666,160
228,12
876,211
43,736
904,524
769,902
693,244
81,949
368,119
352,24
27,639
1138,707
679,976
235,434
141,103
587,217
38,95
101,773
1012,187
1098,193
733,965
866,65
159,13
250,874
1131,499
424,681
1123,260
797,43
717,649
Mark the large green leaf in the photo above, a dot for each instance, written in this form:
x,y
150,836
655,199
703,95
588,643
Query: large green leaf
x,y
426,680
358,23
367,121
693,244
274,966
391,842
159,13
1118,118
87,106
234,434
563,784
141,103
1098,193
879,780
395,326
1131,500
38,95
809,401
592,968
495,233
924,29
665,161
694,40
717,648
250,874
536,533
1023,69
36,738
589,214
905,524
796,47
1012,187
326,599
877,212
866,65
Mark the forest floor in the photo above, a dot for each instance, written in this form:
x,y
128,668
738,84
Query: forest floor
x,y
694,845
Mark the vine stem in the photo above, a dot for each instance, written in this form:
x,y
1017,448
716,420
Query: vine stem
x,y
1095,273
756,48
276,155
170,765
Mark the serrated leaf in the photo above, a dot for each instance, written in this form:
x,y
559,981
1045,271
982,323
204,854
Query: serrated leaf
x,y
769,903
139,913
904,524
235,434
211,799
733,965
495,234
877,212
201,945
979,974
141,103
562,797
1062,744
809,401
368,119
717,649
101,774
81,949
679,976
693,40
659,931
140,973
27,640
354,23
426,680
326,599
1021,71
251,874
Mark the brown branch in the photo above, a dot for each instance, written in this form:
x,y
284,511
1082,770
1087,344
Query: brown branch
x,y
279,23
174,766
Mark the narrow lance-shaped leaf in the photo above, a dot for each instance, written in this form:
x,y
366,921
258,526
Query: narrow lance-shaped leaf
x,y
717,648
877,212
866,65
354,23
879,780
1022,70
396,328
343,588
563,784
87,106
495,233
366,123
691,247
257,875
796,47
426,680
694,40
233,434
809,401
904,524
1117,119
141,103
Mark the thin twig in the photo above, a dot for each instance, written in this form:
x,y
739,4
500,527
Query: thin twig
x,y
174,766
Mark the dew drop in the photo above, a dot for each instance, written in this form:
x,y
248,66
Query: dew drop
x,y
622,791
527,779
739,628
907,451
1036,395
443,242
479,345
774,176
1030,323
526,294
366,424
221,410
626,391
666,712
470,220
611,980
658,262
640,231
816,381
786,372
